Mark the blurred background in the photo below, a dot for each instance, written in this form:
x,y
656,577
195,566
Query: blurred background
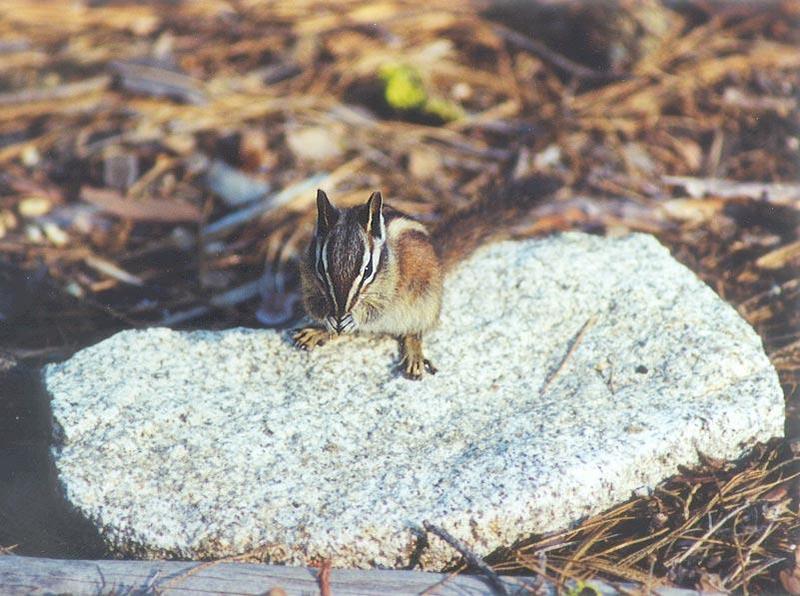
x,y
159,160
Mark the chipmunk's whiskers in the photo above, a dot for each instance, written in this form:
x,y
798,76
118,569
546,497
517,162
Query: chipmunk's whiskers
x,y
347,324
339,325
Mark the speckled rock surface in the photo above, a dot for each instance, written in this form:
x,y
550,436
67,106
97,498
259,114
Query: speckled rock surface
x,y
573,370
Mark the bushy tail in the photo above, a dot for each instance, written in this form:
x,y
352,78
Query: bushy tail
x,y
490,219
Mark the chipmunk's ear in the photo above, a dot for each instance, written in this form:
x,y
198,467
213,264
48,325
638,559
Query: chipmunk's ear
x,y
373,222
327,214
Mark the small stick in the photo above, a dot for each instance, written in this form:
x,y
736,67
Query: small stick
x,y
236,295
112,270
780,193
324,578
683,556
65,91
430,590
573,346
745,559
185,574
473,559
180,577
232,220
183,316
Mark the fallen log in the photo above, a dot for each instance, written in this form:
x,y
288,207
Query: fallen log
x,y
29,575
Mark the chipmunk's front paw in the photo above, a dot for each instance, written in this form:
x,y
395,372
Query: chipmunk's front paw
x,y
309,338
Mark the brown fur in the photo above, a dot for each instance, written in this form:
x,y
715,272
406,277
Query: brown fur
x,y
416,253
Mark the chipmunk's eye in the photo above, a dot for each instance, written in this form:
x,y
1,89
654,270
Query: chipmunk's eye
x,y
368,269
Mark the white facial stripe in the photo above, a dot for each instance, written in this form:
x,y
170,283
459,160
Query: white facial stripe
x,y
376,256
357,282
329,282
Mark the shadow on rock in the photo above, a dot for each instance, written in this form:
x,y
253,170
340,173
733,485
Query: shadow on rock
x,y
34,517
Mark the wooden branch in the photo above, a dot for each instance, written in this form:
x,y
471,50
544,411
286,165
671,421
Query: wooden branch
x,y
149,209
29,575
780,193
64,91
23,575
471,557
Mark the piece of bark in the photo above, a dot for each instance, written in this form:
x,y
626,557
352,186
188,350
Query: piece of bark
x,y
154,210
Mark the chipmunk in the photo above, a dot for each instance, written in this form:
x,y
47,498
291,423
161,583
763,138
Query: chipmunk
x,y
373,269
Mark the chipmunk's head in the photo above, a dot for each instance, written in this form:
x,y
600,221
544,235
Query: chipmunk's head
x,y
348,250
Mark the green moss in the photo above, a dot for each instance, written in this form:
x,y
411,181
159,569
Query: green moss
x,y
404,90
446,110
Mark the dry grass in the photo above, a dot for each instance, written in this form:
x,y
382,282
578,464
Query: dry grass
x,y
723,526
111,115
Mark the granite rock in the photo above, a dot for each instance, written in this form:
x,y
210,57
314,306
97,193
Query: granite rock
x,y
573,371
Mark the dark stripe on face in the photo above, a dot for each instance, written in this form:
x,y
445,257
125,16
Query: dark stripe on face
x,y
346,251
370,268
320,270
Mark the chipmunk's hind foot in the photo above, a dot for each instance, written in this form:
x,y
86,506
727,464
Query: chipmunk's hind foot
x,y
413,363
309,338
